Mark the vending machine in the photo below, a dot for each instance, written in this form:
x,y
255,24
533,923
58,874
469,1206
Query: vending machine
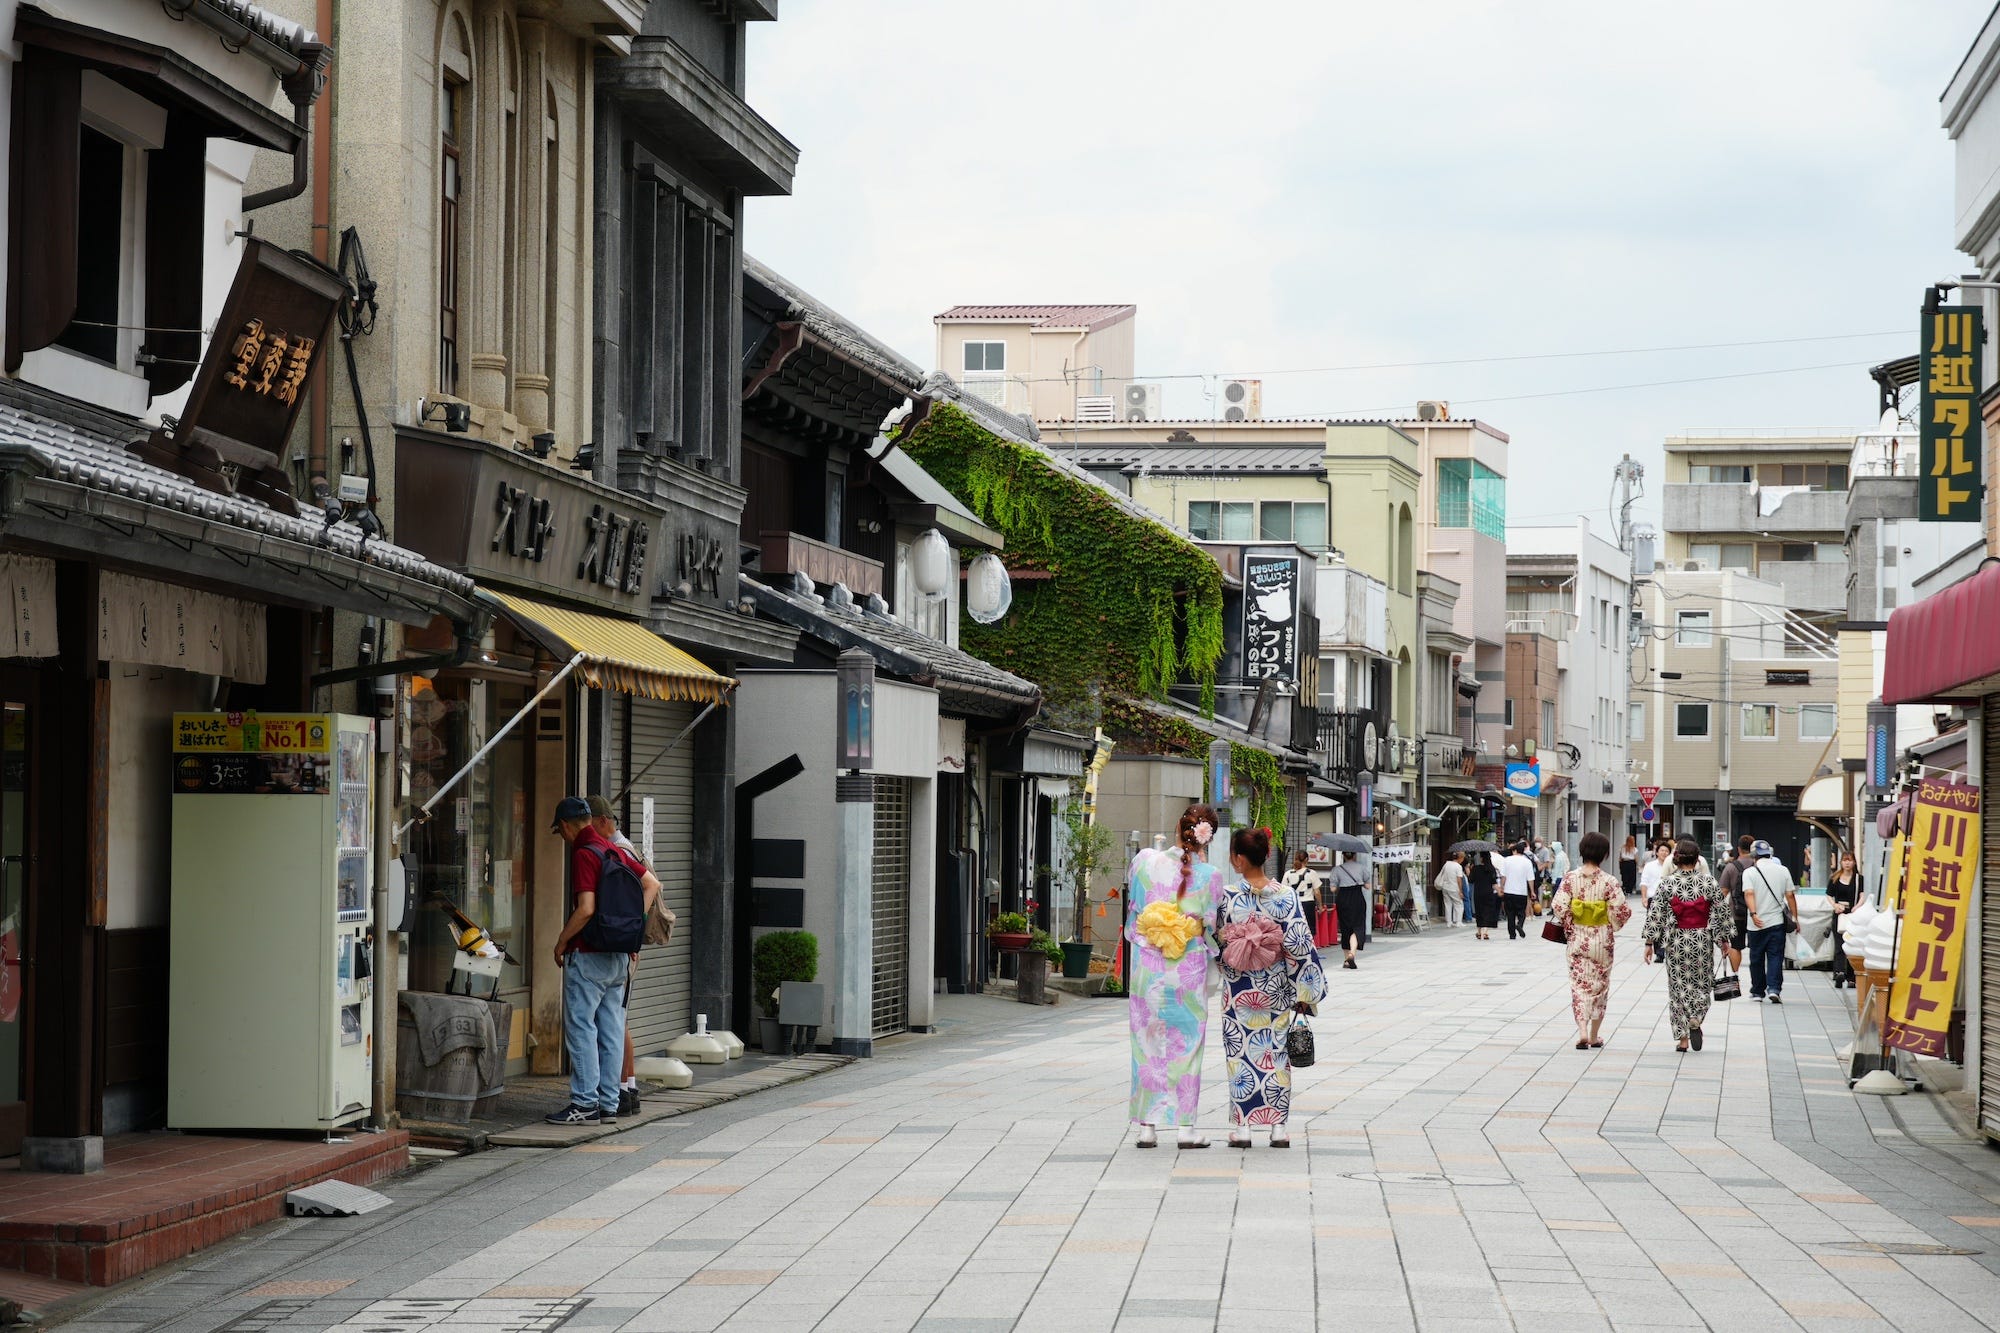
x,y
268,998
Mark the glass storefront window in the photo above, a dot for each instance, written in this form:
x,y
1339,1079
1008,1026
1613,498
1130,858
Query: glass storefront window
x,y
474,849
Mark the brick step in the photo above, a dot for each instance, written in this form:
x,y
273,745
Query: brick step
x,y
161,1197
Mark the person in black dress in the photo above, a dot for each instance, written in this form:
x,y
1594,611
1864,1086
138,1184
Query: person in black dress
x,y
1485,893
1350,904
1844,890
1628,865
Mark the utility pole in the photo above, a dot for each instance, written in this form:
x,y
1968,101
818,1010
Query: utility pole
x,y
1627,486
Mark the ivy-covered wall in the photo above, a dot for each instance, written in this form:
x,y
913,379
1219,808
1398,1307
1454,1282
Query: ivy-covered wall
x,y
1108,605
1127,605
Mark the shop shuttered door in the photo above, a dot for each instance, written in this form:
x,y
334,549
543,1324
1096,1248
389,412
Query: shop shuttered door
x,y
891,902
662,987
1989,927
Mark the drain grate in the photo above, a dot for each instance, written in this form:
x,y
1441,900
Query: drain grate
x,y
1896,1247
1424,1178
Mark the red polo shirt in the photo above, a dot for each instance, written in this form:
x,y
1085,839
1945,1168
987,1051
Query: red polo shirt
x,y
586,863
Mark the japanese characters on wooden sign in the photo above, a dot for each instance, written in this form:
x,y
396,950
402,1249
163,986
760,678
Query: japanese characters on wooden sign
x,y
1942,856
1948,375
272,330
1270,616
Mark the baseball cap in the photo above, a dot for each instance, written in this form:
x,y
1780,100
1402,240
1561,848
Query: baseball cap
x,y
569,808
600,807
1761,848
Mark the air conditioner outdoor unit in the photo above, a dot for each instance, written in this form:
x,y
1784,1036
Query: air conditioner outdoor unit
x,y
1433,409
1142,402
1242,400
1096,409
1692,566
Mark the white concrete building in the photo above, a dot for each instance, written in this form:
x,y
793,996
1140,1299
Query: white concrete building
x,y
1586,582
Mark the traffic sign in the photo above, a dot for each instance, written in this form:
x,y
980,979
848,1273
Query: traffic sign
x,y
1648,815
1647,794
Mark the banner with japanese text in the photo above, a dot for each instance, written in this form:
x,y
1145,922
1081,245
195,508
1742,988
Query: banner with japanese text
x,y
1951,455
1943,853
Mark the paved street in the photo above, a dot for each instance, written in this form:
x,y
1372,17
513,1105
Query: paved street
x,y
1458,1167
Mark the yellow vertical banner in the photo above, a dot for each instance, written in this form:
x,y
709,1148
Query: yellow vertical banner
x,y
1943,853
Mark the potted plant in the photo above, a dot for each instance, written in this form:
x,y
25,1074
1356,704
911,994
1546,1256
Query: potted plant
x,y
1032,984
1009,930
1089,847
781,956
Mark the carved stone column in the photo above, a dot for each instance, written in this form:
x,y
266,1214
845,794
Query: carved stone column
x,y
536,248
482,289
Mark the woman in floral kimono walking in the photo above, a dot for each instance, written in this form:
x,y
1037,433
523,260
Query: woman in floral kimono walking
x,y
1690,917
1591,906
1270,976
1170,930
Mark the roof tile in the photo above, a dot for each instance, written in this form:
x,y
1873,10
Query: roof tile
x,y
1091,317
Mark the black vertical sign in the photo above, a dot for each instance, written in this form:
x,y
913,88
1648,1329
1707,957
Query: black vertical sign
x,y
1948,373
1270,617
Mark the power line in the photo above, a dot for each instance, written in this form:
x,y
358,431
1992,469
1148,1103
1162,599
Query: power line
x,y
1479,360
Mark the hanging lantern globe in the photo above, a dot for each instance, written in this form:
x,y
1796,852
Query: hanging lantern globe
x,y
931,564
988,590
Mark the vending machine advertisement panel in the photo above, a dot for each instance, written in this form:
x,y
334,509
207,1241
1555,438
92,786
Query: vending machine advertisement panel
x,y
270,979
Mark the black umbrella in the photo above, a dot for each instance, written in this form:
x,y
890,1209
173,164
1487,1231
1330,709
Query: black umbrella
x,y
1474,845
1343,842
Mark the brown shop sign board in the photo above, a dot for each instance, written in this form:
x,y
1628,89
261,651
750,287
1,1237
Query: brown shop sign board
x,y
517,524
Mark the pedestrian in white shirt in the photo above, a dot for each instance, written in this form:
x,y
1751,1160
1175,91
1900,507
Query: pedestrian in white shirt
x,y
1650,875
1450,884
1517,880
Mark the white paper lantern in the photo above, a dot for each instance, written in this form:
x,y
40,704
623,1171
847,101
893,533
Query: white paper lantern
x,y
930,564
988,590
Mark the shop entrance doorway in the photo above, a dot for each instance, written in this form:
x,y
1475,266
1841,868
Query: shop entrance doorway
x,y
17,864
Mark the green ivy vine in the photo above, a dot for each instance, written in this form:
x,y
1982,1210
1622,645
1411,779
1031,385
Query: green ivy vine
x,y
1270,803
1128,605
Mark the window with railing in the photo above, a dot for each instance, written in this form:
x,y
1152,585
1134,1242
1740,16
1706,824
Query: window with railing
x,y
1471,495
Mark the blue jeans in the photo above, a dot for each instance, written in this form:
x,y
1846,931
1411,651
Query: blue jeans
x,y
1466,889
594,1027
1767,960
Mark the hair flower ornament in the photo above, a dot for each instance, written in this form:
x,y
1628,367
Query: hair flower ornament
x,y
1167,928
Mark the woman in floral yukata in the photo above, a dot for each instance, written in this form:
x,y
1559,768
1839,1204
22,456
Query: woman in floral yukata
x,y
1591,905
1171,933
1270,975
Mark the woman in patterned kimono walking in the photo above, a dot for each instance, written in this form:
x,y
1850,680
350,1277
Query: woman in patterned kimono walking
x,y
1591,905
1691,916
1270,974
1170,929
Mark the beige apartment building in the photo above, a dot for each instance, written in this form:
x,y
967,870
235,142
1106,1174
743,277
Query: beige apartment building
x,y
1037,361
1770,504
1734,708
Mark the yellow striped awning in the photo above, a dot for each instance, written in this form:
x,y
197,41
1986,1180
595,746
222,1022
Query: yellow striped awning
x,y
620,655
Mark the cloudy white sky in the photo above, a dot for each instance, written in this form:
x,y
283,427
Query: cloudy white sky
x,y
1295,185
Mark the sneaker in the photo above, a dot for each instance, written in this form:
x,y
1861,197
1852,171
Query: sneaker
x,y
575,1115
608,1116
628,1101
1777,999
1756,995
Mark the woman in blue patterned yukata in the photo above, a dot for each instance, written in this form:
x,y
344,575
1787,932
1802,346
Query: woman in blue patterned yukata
x,y
1170,929
1270,975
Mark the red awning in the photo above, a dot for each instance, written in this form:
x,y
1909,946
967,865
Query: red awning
x,y
1946,647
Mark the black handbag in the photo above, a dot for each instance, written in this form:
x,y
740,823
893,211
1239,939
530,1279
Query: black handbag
x,y
1299,1043
1728,985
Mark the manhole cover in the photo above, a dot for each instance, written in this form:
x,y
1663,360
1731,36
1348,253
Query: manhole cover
x,y
1425,1178
1896,1247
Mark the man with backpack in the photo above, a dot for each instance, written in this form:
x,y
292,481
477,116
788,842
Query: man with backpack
x,y
610,894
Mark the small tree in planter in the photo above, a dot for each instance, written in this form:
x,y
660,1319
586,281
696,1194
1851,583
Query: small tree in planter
x,y
781,956
1089,848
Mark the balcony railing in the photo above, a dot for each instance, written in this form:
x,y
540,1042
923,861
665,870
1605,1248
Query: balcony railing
x,y
790,553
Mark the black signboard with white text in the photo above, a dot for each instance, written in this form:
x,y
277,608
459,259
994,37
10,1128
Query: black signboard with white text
x,y
1270,617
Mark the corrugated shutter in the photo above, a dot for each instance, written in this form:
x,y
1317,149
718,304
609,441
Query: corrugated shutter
x,y
660,1007
1989,928
891,906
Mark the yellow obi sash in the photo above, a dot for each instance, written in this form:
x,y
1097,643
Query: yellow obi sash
x,y
1589,913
